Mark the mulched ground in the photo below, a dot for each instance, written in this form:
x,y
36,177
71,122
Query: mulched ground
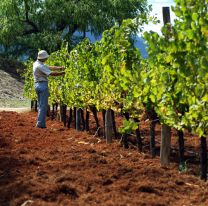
x,y
62,167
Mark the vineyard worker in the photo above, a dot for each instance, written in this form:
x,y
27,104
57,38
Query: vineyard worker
x,y
41,72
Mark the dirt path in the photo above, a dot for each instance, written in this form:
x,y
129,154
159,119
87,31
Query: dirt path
x,y
18,110
63,167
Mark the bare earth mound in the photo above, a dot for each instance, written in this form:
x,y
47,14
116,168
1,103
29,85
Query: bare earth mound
x,y
10,88
11,91
58,166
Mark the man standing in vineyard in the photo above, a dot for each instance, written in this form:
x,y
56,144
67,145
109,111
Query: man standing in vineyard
x,y
41,73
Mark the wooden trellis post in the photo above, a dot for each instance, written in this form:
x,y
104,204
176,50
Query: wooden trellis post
x,y
166,130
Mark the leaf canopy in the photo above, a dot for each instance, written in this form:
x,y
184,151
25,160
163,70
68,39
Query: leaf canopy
x,y
27,25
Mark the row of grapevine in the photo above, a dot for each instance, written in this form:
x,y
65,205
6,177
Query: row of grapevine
x,y
171,84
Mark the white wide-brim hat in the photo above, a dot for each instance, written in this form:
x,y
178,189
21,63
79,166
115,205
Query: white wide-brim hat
x,y
43,54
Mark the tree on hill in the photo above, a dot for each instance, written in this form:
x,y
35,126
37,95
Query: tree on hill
x,y
27,25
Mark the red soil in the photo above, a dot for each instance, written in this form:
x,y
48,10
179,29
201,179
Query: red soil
x,y
58,166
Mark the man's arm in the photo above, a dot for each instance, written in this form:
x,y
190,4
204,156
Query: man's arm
x,y
55,68
57,73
